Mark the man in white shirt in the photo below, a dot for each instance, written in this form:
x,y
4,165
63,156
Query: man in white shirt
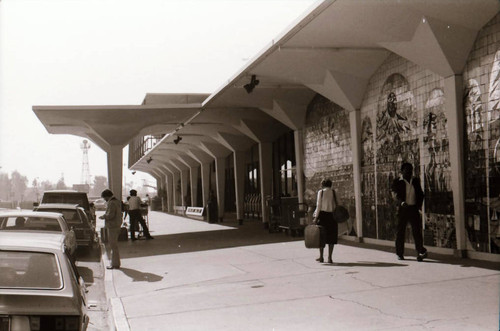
x,y
409,194
135,215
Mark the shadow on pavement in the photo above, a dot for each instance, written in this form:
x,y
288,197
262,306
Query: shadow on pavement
x,y
139,276
251,233
410,255
87,274
366,264
88,255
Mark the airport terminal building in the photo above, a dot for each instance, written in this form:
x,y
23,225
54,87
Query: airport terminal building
x,y
349,91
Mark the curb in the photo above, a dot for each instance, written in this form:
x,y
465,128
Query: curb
x,y
117,318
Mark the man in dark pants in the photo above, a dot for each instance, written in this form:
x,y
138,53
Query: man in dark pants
x,y
135,215
409,195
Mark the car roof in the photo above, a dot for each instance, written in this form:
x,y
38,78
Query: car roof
x,y
59,205
64,191
29,213
29,240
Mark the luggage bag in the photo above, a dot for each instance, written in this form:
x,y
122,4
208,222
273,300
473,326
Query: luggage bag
x,y
314,236
123,236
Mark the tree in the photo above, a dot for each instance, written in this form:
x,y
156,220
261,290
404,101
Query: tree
x,y
61,185
46,186
19,184
100,184
4,186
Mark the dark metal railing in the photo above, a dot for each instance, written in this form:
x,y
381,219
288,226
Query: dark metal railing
x,y
140,146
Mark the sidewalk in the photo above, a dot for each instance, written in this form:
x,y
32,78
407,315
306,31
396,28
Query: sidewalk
x,y
200,276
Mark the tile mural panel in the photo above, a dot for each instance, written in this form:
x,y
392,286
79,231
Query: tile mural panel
x,y
327,152
397,142
406,104
404,119
439,210
482,141
368,179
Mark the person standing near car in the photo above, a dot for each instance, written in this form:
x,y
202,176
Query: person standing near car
x,y
409,195
135,216
112,223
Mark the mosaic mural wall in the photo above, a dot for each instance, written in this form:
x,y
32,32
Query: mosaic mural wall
x,y
404,121
327,151
482,140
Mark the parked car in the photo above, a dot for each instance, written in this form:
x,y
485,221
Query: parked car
x,y
70,196
40,288
39,223
100,204
77,219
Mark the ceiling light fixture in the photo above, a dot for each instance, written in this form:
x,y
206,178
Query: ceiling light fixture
x,y
177,140
250,86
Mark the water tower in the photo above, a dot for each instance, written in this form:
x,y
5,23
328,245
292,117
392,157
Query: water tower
x,y
85,146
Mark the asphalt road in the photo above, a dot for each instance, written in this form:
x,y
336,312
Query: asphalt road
x,y
91,269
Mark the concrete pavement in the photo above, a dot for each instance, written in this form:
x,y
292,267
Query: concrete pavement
x,y
200,276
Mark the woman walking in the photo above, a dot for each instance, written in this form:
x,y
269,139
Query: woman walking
x,y
325,205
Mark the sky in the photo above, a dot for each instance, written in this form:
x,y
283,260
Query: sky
x,y
107,52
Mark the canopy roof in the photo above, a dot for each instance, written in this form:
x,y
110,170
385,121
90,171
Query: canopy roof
x,y
333,49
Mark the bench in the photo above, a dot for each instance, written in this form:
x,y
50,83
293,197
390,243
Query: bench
x,y
195,212
180,210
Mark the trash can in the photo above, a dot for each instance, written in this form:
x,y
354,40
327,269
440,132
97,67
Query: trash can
x,y
212,212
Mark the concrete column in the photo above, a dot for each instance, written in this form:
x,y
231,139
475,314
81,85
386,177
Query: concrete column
x,y
115,170
194,185
176,176
239,183
184,184
453,90
266,178
355,121
299,161
220,173
205,181
170,191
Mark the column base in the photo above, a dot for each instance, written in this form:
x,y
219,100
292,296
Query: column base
x,y
460,253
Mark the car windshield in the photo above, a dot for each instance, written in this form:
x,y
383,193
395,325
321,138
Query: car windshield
x,y
29,270
70,215
30,223
71,198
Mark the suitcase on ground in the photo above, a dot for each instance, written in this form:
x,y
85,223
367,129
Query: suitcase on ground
x,y
104,235
123,236
314,236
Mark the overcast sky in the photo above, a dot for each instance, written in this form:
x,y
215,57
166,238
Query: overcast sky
x,y
98,52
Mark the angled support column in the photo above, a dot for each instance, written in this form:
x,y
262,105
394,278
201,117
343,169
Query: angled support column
x,y
355,121
175,179
194,185
205,181
169,185
299,161
220,173
115,170
453,90
219,153
184,174
193,166
204,159
239,176
266,178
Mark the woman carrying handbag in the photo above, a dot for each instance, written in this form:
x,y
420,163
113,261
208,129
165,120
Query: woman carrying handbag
x,y
323,215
